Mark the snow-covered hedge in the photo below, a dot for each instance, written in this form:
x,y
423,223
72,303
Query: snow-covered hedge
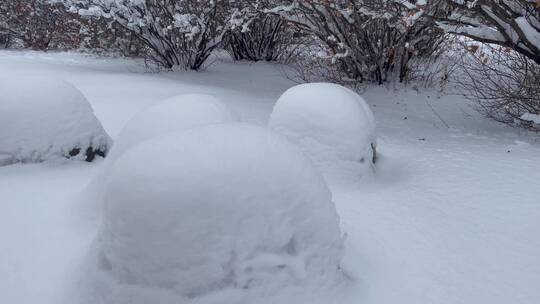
x,y
44,118
172,114
239,209
330,123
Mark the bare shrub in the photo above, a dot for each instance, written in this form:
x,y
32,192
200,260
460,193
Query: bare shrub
x,y
47,25
6,37
264,38
509,23
436,71
100,36
312,65
258,35
180,33
502,84
36,23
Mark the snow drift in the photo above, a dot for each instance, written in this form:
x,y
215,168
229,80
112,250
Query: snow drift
x,y
45,118
238,210
330,123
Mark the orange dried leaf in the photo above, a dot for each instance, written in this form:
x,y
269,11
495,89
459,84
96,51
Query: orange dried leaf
x,y
473,48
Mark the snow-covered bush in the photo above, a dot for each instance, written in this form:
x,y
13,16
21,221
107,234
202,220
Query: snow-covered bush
x,y
363,40
173,114
508,23
233,207
176,33
501,71
47,25
330,123
44,118
258,35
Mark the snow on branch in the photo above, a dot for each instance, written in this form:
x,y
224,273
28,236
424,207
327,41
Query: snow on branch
x,y
177,33
511,23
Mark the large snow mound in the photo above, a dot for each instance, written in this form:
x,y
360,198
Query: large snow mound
x,y
45,118
172,114
238,209
329,122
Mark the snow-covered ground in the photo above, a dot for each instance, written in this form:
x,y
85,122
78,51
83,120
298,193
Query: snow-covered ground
x,y
451,213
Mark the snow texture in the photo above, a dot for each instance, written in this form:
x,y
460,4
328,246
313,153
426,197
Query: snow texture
x,y
173,114
330,123
451,214
534,118
46,118
240,208
532,34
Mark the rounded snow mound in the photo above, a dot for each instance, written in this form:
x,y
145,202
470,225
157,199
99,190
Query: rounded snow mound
x,y
172,114
239,209
44,118
330,123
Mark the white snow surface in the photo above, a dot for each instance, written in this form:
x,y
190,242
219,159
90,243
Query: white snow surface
x,y
330,123
532,34
534,118
43,118
450,215
235,207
